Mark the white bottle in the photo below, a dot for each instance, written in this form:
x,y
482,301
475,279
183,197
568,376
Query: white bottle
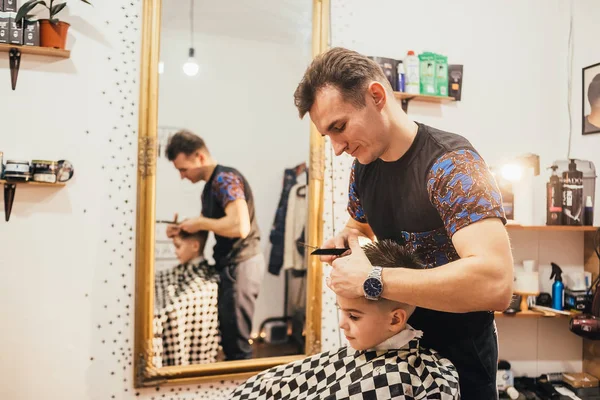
x,y
411,69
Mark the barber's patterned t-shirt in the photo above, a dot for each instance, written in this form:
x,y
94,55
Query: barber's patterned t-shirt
x,y
438,187
223,187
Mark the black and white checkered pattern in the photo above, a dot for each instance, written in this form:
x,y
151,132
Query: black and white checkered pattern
x,y
346,374
186,324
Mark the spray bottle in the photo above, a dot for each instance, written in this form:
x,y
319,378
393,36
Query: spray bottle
x,y
558,288
554,199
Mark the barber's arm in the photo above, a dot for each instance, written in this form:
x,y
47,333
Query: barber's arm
x,y
228,190
235,223
480,280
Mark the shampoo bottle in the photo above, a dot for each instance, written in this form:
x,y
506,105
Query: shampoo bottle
x,y
558,288
411,70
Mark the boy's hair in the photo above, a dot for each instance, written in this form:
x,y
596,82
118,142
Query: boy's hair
x,y
199,236
184,142
390,254
348,71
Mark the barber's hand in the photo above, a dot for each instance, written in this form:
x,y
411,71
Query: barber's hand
x,y
350,272
173,229
192,225
339,241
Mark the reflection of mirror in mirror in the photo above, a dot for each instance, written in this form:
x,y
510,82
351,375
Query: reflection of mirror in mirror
x,y
230,182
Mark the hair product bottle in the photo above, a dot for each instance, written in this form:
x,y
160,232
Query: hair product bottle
x,y
572,195
554,199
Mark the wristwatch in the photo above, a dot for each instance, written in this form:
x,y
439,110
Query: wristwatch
x,y
373,285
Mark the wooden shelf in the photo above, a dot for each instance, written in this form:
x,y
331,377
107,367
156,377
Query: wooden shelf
x,y
552,228
36,50
423,97
530,314
32,183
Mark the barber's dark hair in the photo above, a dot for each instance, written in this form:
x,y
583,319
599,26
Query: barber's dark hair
x,y
184,142
390,254
200,236
594,90
346,70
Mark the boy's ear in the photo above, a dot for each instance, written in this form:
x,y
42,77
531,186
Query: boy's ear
x,y
398,321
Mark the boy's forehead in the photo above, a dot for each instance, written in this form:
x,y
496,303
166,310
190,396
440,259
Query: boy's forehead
x,y
358,303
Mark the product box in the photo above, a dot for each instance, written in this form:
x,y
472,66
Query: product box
x,y
427,73
441,75
15,34
31,33
455,75
10,5
579,300
4,27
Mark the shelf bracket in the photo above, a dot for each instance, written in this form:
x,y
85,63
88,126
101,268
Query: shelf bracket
x,y
9,197
15,63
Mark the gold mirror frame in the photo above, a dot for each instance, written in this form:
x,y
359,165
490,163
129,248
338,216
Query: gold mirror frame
x,y
145,374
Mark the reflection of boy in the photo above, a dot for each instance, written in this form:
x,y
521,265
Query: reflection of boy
x,y
592,121
186,317
383,359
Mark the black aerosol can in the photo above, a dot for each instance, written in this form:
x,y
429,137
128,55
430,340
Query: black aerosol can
x,y
554,199
572,195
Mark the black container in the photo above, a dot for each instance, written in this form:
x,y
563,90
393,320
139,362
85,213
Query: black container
x,y
10,5
554,199
15,35
4,27
455,77
390,69
572,194
31,33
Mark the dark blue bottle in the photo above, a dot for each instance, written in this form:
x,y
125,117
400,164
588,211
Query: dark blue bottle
x,y
558,288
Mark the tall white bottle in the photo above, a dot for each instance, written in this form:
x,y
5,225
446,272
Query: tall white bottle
x,y
411,69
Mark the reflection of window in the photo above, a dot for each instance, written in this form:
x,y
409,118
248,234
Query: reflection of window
x,y
163,134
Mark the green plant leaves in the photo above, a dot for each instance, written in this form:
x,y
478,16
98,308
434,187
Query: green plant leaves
x,y
27,7
56,9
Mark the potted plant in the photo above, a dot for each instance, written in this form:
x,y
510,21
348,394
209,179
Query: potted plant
x,y
53,33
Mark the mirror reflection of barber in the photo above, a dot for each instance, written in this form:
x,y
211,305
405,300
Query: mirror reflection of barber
x,y
227,211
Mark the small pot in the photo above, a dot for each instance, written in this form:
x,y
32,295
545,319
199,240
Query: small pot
x,y
53,35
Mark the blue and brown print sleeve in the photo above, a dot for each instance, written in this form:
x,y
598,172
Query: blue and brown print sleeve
x,y
228,187
463,190
354,207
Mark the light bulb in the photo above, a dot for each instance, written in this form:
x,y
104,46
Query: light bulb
x,y
512,172
191,67
161,67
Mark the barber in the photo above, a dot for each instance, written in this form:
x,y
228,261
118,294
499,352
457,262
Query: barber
x,y
228,212
427,189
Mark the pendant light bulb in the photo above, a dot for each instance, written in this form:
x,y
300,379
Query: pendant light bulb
x,y
191,67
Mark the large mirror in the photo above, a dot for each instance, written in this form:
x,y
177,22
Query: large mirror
x,y
229,190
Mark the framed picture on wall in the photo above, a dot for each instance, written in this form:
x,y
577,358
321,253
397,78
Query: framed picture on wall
x,y
591,100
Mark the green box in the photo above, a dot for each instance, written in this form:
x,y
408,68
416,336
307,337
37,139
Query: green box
x,y
427,73
441,75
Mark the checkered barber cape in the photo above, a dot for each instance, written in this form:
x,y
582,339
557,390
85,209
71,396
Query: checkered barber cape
x,y
186,325
346,374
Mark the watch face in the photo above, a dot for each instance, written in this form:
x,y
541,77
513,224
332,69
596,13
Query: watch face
x,y
373,287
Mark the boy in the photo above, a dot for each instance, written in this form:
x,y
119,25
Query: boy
x,y
383,359
186,325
